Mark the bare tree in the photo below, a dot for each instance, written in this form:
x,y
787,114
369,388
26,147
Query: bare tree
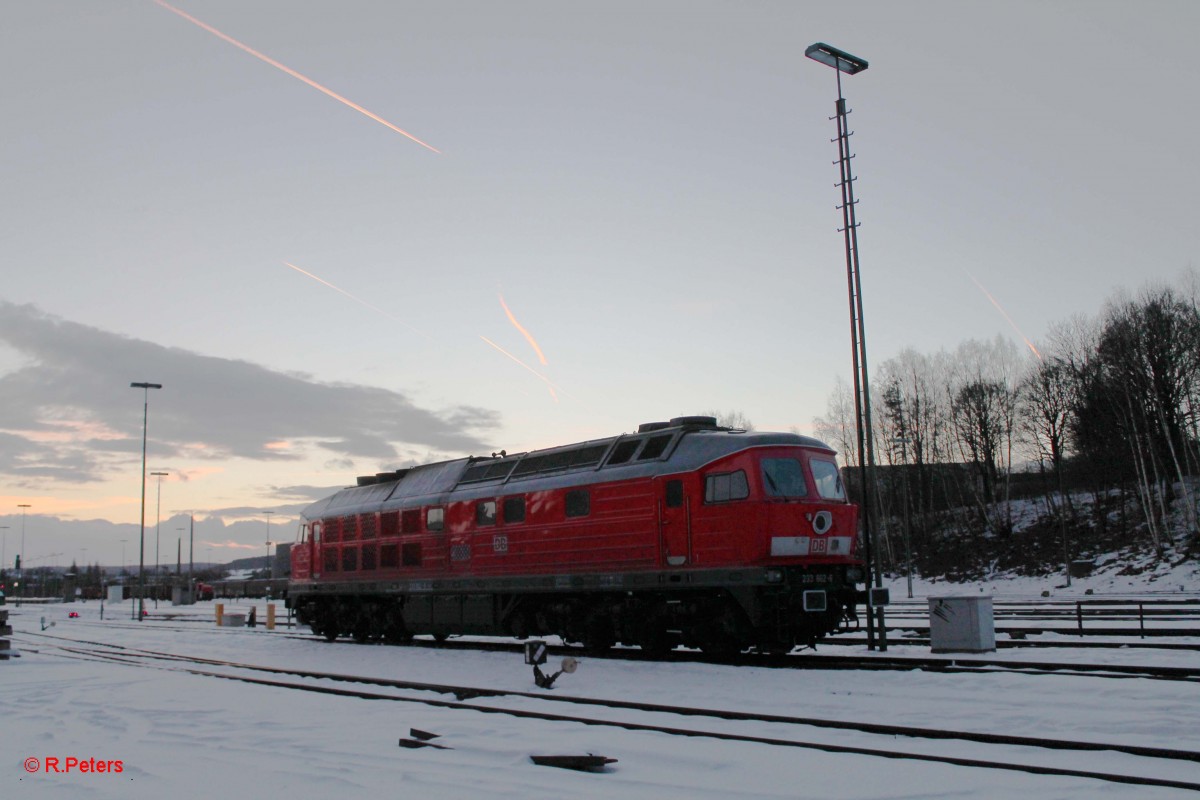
x,y
982,394
837,427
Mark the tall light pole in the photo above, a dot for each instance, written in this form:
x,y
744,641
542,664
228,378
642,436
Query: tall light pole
x,y
841,61
22,556
179,555
123,541
139,607
191,552
4,549
269,570
904,442
157,526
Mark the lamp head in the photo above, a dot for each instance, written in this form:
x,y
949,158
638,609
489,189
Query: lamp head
x,y
833,57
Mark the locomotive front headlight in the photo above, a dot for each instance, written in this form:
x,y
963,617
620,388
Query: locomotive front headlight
x,y
774,576
854,574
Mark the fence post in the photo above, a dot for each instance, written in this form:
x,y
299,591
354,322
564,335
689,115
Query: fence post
x,y
220,613
1141,621
1079,616
270,616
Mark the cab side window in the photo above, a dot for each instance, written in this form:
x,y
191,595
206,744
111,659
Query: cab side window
x,y
723,487
434,518
578,503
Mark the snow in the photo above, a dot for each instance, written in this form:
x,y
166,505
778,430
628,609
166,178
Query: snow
x,y
177,733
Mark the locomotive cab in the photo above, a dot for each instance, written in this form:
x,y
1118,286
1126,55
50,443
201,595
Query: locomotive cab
x,y
680,533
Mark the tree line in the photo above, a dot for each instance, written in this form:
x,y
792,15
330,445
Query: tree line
x,y
1098,431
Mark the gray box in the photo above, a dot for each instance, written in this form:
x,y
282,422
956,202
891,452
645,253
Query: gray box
x,y
962,624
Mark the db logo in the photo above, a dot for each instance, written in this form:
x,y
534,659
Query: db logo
x,y
32,765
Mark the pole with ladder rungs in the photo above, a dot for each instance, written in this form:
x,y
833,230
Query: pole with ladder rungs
x,y
844,62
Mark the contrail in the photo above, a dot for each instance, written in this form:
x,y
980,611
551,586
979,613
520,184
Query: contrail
x,y
549,385
1005,314
528,336
294,74
357,299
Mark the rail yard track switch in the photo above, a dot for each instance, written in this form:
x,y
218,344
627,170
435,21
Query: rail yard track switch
x,y
536,653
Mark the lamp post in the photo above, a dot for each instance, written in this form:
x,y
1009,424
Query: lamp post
x,y
904,441
4,549
157,527
268,567
192,555
123,541
22,556
191,552
145,387
179,555
841,61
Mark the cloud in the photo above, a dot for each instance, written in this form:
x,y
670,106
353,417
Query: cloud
x,y
65,412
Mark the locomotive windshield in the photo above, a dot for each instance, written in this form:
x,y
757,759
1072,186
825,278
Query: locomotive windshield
x,y
829,480
783,477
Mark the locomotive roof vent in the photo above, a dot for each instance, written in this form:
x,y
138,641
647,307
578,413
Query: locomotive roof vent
x,y
694,422
679,422
368,480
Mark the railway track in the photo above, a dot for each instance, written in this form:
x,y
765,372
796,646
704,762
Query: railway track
x,y
795,660
1012,644
1136,764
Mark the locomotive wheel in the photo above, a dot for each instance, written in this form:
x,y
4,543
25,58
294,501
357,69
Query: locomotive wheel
x,y
519,625
720,647
656,642
650,629
598,633
330,632
718,635
396,633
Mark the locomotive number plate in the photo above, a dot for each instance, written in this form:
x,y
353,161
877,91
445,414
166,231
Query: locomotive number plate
x,y
789,545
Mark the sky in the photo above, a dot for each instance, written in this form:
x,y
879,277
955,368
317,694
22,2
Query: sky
x,y
349,237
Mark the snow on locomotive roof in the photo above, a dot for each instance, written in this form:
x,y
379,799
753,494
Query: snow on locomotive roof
x,y
683,444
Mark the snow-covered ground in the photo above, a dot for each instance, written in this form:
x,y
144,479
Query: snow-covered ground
x,y
187,735
1148,578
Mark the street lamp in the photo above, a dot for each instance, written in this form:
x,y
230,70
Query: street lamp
x,y
145,387
841,61
157,526
904,442
4,548
269,570
22,556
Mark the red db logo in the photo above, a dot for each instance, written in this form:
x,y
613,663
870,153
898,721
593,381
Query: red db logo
x,y
32,765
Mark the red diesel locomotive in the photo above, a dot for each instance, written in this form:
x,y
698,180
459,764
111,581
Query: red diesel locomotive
x,y
682,533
